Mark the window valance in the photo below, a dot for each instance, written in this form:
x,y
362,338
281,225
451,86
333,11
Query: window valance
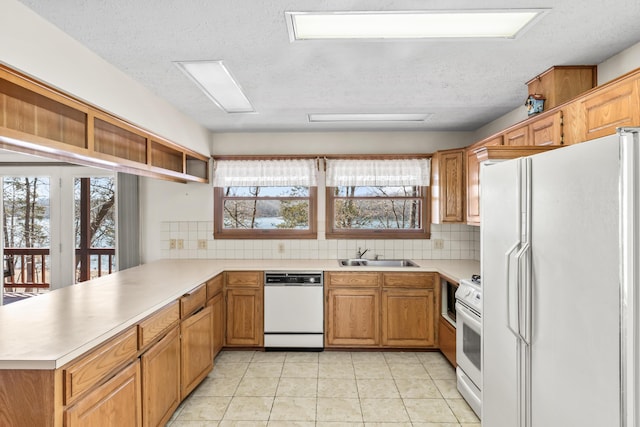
x,y
392,172
266,173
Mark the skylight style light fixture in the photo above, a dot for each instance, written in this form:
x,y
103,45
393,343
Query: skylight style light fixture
x,y
368,117
215,80
490,23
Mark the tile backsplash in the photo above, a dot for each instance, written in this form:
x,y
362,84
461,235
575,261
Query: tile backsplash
x,y
194,239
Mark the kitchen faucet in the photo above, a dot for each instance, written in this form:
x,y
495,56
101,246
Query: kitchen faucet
x,y
360,253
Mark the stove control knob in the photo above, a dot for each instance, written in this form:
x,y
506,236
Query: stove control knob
x,y
467,292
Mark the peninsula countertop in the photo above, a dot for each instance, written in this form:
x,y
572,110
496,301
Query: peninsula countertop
x,y
52,329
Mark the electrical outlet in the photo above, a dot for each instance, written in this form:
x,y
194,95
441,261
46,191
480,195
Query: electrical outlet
x,y
280,248
202,244
172,244
180,243
438,243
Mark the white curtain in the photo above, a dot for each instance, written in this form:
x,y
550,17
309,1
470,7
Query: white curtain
x,y
265,173
378,172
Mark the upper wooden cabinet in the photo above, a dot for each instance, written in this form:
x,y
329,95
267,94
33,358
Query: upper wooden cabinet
x,y
546,130
38,119
562,83
517,136
448,186
473,178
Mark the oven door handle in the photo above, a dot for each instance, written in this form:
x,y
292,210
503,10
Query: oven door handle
x,y
467,316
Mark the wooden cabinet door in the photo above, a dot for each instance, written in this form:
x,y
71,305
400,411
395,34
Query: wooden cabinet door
x,y
245,319
448,187
547,130
196,350
473,188
217,314
447,340
352,317
408,318
605,111
114,403
518,136
161,380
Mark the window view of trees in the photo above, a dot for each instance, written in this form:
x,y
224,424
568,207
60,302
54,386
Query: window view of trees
x,y
377,207
266,207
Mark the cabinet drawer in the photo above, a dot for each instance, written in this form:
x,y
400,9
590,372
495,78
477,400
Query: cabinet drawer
x,y
409,280
89,370
353,279
192,301
214,286
251,279
153,326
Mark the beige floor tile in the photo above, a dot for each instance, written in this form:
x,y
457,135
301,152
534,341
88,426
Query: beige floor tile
x,y
229,370
372,371
234,356
193,424
269,356
429,410
448,389
204,408
415,370
337,387
250,386
444,372
235,423
401,357
264,370
338,409
367,357
431,357
301,357
300,370
462,411
293,409
470,425
383,410
417,388
217,387
297,387
337,370
249,408
277,423
337,424
334,356
388,425
377,389
437,425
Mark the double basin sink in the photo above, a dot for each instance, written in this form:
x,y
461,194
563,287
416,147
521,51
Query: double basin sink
x,y
361,262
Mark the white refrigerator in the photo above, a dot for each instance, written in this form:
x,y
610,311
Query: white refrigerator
x,y
560,262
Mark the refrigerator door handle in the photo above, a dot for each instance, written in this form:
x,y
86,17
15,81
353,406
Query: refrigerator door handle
x,y
512,292
524,299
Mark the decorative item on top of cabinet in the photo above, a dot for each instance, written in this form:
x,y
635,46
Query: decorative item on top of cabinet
x,y
448,186
244,309
562,83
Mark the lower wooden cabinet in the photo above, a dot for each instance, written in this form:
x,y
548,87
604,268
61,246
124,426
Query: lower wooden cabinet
x,y
218,327
408,318
447,335
116,402
161,380
196,350
352,317
244,317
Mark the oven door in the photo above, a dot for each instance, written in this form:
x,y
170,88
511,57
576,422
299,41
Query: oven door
x,y
468,343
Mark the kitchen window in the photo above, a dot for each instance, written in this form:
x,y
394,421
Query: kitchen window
x,y
256,199
378,198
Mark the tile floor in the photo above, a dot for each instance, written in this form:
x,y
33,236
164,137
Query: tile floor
x,y
330,388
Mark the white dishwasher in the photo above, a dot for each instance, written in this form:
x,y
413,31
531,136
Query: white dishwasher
x,y
293,310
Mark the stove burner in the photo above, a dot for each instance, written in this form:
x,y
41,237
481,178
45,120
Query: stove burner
x,y
475,278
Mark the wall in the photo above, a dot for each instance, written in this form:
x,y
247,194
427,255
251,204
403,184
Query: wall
x,y
188,211
36,47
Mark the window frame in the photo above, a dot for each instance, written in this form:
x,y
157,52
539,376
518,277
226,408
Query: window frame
x,y
220,232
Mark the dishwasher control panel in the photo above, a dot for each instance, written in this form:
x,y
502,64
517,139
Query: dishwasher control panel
x,y
293,278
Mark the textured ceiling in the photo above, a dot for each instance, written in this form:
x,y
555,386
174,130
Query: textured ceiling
x,y
464,84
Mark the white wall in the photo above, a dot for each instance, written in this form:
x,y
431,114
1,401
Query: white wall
x,y
36,47
617,65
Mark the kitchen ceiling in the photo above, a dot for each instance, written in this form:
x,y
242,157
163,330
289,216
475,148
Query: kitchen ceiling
x,y
461,84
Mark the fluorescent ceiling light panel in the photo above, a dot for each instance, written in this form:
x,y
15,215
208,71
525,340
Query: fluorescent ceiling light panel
x,y
215,80
368,117
507,23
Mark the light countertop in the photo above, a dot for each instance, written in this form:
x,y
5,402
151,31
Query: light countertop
x,y
52,329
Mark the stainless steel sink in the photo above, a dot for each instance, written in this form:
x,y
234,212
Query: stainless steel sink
x,y
359,262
